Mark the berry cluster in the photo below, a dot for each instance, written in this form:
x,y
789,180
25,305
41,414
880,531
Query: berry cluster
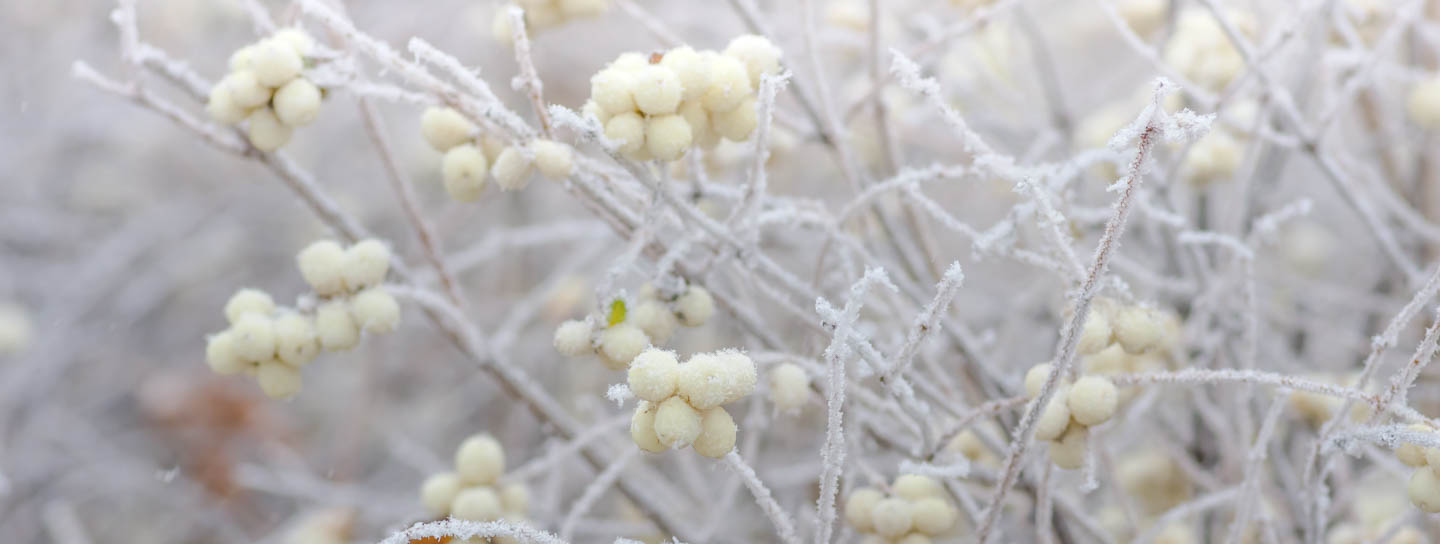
x,y
916,510
628,332
473,492
1067,418
656,107
681,403
1424,483
265,89
789,387
543,14
1136,329
272,343
469,159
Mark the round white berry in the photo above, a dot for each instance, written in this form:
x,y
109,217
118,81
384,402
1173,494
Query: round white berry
x,y
464,169
297,39
511,169
242,59
444,128
245,89
477,504
667,137
275,63
913,487
695,306
656,319
1035,379
621,343
375,310
515,498
1424,490
729,84
738,123
1413,454
1069,451
296,342
366,264
248,301
1054,418
717,433
553,159
759,55
265,130
439,491
892,517
222,107
653,374
480,460
677,424
860,506
1423,103
627,130
322,264
933,515
298,102
221,354
1137,329
1095,335
572,338
642,428
789,387
692,70
278,380
613,90
336,327
1093,400
254,337
657,90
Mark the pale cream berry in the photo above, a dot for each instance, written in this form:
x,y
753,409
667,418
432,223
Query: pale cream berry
x,y
656,319
1413,454
511,169
621,344
464,169
515,498
1054,418
627,130
245,89
444,128
1035,379
480,460
296,341
740,375
1111,360
1093,400
657,90
222,108
695,306
933,515
278,380
336,327
583,8
265,130
642,428
667,137
366,264
630,62
691,68
1069,451
501,28
275,63
738,123
1423,103
248,301
322,264
297,39
1214,157
860,505
759,55
439,491
254,336
1095,335
1432,457
242,58
375,310
221,354
677,424
729,84
717,433
1424,490
477,504
699,120
572,338
892,517
613,90
1137,329
653,374
789,387
914,538
913,487
554,159
298,102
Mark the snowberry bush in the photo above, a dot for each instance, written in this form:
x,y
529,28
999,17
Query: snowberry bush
x,y
896,271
